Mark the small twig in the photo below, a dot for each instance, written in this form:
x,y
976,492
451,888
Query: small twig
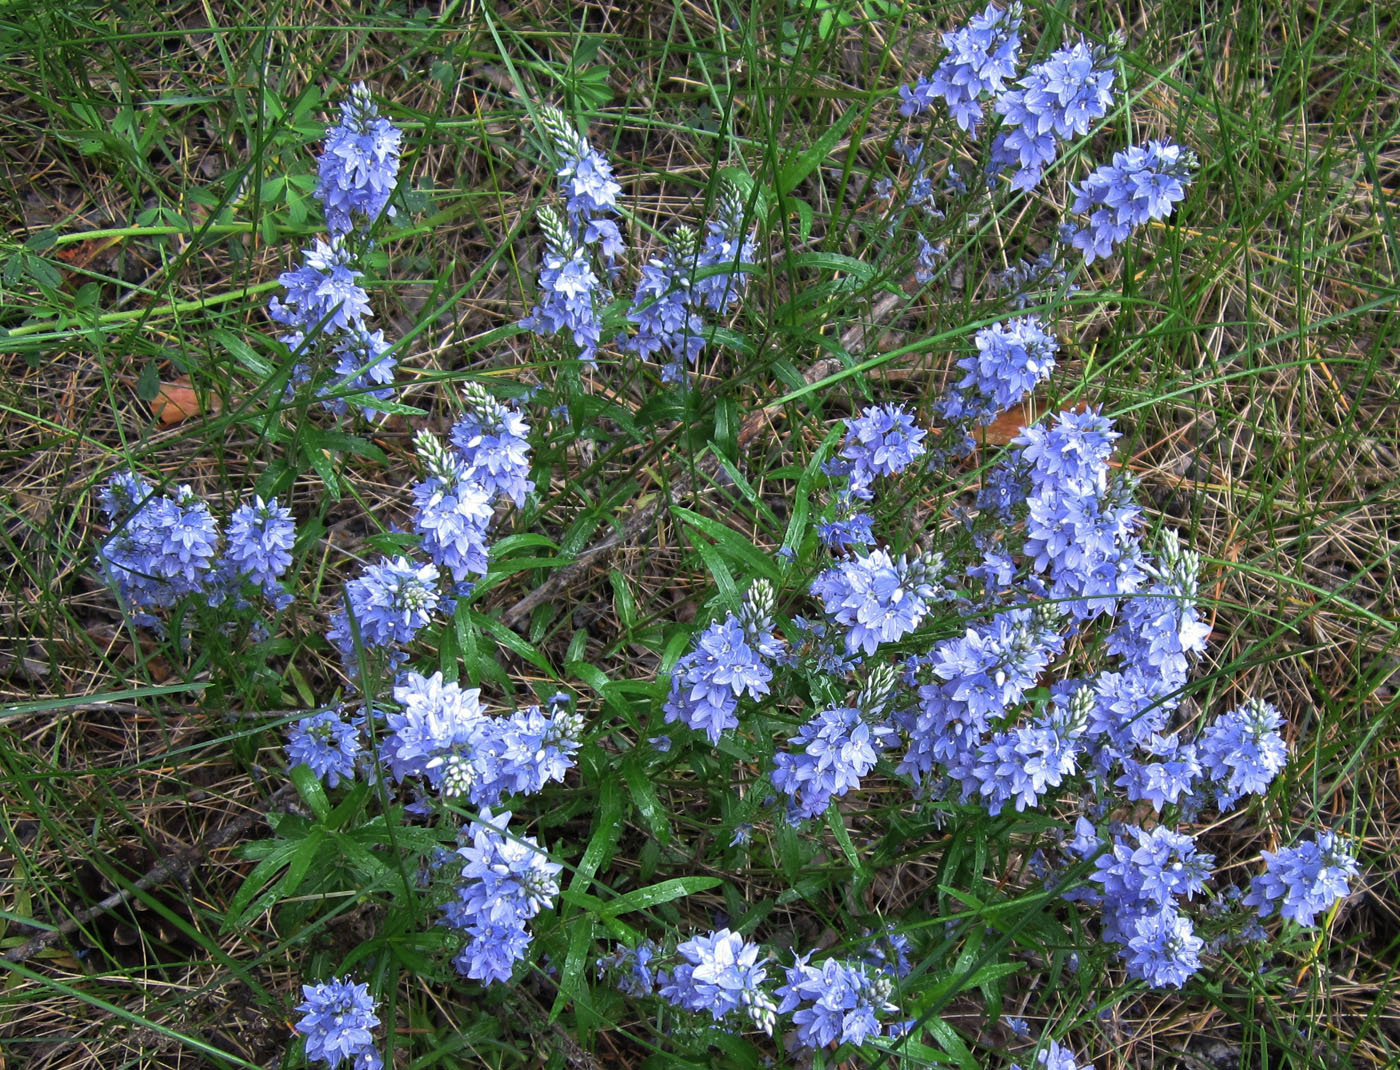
x,y
641,521
175,864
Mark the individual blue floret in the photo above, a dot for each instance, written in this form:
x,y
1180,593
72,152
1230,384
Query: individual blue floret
x,y
359,165
1142,183
337,1019
1055,99
1303,881
328,743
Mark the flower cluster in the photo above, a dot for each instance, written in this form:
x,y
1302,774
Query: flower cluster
x,y
731,658
694,275
982,56
726,976
359,165
835,1002
325,312
390,602
329,743
166,547
506,881
442,736
337,1019
1303,881
384,608
876,598
1054,100
1012,358
720,973
1142,183
1140,886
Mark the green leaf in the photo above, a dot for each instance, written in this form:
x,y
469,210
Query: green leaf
x,y
644,798
311,790
661,892
793,172
148,382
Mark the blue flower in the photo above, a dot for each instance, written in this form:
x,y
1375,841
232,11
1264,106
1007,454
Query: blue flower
x,y
506,881
257,548
1243,751
981,57
1141,184
327,743
1303,881
877,599
881,441
1164,949
836,748
1055,99
337,1017
391,602
323,293
491,440
359,165
834,1002
1012,359
721,973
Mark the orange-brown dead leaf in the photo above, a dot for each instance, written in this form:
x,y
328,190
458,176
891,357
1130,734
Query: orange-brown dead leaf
x,y
177,401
